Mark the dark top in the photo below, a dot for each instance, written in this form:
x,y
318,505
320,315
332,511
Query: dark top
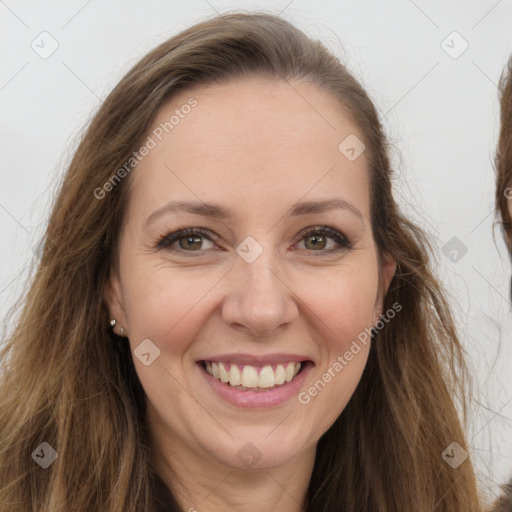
x,y
164,500
505,502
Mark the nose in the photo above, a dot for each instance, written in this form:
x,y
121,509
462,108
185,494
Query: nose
x,y
258,301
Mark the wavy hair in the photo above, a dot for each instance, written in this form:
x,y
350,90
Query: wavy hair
x,y
503,157
70,382
503,168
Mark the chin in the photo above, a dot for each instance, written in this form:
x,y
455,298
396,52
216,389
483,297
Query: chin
x,y
257,452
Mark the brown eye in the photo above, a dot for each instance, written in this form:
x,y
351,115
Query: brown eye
x,y
189,240
317,240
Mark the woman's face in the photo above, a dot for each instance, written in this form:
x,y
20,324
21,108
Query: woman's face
x,y
255,165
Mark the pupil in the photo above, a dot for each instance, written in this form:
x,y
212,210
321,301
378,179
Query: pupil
x,y
191,239
316,239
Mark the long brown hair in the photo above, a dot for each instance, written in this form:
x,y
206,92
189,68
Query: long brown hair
x,y
503,157
70,382
503,167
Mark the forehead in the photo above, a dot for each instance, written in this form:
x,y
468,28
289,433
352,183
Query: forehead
x,y
256,138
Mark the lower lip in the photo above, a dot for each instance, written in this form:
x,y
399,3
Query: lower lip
x,y
257,399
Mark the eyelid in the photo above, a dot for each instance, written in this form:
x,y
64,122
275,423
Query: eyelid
x,y
333,233
168,238
342,242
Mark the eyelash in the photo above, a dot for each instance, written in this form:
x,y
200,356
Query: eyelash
x,y
344,244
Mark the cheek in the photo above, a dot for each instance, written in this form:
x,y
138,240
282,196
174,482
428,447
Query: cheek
x,y
344,309
169,306
164,306
344,304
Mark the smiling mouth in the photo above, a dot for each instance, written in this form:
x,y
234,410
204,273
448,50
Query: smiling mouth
x,y
253,378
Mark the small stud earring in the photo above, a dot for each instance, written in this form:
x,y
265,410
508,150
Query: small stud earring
x,y
113,324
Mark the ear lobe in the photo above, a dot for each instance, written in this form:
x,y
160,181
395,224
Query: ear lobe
x,y
113,300
387,272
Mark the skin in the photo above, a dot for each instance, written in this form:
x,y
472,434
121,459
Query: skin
x,y
256,147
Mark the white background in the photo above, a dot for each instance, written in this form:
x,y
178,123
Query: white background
x,y
440,112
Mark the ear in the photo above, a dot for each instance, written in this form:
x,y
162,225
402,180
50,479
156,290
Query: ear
x,y
113,297
387,271
506,226
509,203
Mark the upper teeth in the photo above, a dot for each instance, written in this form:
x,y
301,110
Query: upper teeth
x,y
248,377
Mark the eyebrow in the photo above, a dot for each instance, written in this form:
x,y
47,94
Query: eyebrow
x,y
220,212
